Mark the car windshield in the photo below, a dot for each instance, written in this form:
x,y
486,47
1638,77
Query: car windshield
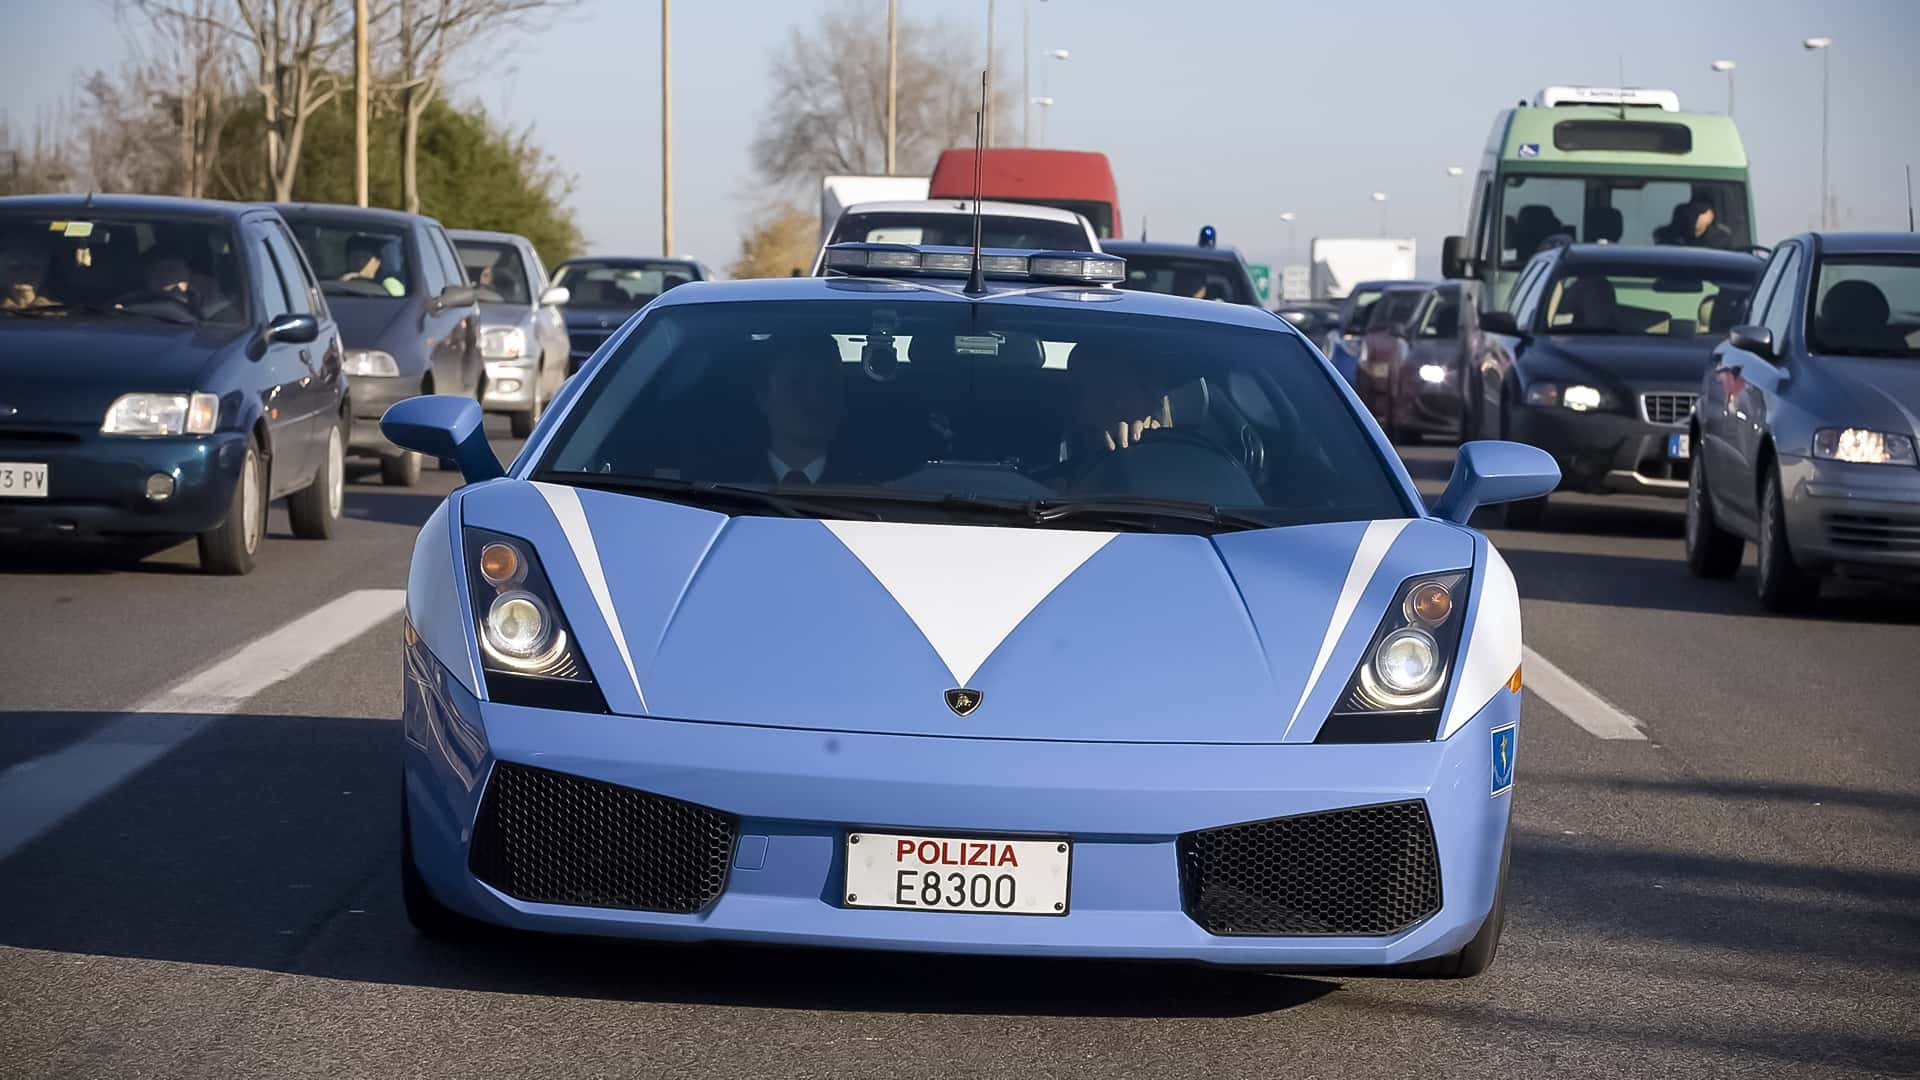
x,y
1647,300
1179,275
1867,305
1098,214
355,259
623,285
120,266
496,271
1394,309
1621,210
956,230
1363,301
1002,414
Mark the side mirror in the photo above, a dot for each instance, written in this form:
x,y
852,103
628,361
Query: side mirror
x,y
1454,262
556,296
444,426
454,296
1488,471
1500,322
292,329
1757,340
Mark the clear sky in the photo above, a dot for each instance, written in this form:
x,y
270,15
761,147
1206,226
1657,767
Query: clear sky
x,y
1215,112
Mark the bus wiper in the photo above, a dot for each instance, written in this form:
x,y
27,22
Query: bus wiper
x,y
1136,508
705,491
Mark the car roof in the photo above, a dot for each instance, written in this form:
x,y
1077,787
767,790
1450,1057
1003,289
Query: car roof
x,y
1390,283
1223,252
1024,293
129,204
486,235
965,206
372,215
1659,255
626,260
1868,242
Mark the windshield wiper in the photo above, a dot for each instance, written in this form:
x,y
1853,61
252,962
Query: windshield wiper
x,y
1142,508
177,317
705,491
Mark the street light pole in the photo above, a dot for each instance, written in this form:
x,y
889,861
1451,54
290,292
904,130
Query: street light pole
x,y
1380,197
1821,45
666,128
1459,191
360,88
988,103
1045,100
1725,67
893,59
1288,216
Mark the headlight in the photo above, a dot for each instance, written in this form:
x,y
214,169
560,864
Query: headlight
x,y
1578,396
1433,373
503,343
1397,690
162,414
370,362
526,652
1863,447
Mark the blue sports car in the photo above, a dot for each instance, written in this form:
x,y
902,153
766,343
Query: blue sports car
x,y
1012,613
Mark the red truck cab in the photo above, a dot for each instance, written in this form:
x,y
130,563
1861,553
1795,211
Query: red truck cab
x,y
1077,180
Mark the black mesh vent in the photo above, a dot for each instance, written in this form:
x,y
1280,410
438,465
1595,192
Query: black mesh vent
x,y
550,838
1366,870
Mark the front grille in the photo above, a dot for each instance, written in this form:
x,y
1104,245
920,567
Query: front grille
x,y
1874,532
37,435
1365,870
551,838
1675,408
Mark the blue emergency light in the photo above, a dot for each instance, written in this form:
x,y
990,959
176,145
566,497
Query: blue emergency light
x,y
1207,236
912,260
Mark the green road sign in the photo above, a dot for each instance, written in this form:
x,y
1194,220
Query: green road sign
x,y
1262,280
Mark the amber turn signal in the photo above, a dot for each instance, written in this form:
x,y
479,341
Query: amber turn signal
x,y
1513,684
499,564
1429,603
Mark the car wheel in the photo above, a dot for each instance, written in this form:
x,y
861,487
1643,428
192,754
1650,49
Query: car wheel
x,y
228,548
1477,955
430,918
522,422
1712,552
401,469
315,508
1784,585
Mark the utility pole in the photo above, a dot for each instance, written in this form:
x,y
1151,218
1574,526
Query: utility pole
x,y
988,104
666,128
360,97
1026,74
893,62
1822,45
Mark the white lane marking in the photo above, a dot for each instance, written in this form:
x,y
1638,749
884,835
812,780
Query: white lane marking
x,y
39,794
1600,717
564,501
1372,548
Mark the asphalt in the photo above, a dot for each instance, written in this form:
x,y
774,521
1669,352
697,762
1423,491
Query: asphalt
x,y
1736,895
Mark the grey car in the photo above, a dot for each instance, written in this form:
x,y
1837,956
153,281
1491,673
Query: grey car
x,y
1807,422
406,314
523,337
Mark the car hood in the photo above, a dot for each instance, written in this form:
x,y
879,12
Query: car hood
x,y
1871,391
365,321
1245,637
1619,361
504,314
69,371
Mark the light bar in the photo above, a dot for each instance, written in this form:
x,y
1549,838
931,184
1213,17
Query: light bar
x,y
894,260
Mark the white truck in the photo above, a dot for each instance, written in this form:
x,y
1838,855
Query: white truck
x,y
839,192
1340,262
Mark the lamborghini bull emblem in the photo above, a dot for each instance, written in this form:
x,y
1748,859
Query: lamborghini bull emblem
x,y
962,701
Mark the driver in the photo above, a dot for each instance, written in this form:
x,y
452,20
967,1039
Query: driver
x,y
170,276
1111,401
365,262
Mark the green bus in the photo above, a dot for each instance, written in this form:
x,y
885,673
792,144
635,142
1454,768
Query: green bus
x,y
1600,164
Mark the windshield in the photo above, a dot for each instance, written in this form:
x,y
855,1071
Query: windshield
x,y
123,266
956,230
1363,301
1621,210
353,259
1393,311
999,413
1098,214
1867,305
1176,275
496,271
623,285
1660,301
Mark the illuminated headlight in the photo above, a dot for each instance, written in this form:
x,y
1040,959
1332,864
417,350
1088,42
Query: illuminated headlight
x,y
1398,687
520,631
1577,396
162,414
1407,663
369,362
1433,373
526,651
503,343
1864,447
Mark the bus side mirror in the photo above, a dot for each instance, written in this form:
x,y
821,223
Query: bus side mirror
x,y
1454,262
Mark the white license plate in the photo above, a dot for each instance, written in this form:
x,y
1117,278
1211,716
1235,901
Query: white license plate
x,y
22,480
1679,447
957,873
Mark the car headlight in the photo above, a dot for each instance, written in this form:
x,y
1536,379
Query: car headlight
x,y
503,343
1397,690
527,653
1576,396
1433,373
370,362
1864,447
162,414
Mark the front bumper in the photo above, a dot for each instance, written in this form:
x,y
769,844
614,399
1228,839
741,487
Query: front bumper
x,y
96,484
1429,408
372,396
519,374
797,793
1605,451
1855,516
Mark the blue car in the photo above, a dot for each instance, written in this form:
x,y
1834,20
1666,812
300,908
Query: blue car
x,y
1022,615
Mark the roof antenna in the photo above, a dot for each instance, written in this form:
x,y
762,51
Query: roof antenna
x,y
977,281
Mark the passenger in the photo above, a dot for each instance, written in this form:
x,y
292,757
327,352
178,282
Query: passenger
x,y
22,273
1694,224
365,263
1592,303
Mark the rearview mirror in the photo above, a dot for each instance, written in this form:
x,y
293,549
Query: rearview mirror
x,y
556,296
1453,258
292,328
1488,471
1499,322
1757,340
444,426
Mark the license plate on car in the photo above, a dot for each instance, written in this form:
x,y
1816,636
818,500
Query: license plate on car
x,y
957,873
1679,446
22,480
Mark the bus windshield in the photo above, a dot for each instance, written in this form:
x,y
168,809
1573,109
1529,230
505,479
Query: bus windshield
x,y
1620,210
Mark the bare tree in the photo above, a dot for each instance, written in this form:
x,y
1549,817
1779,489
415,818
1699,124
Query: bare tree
x,y
180,78
295,46
37,161
425,38
829,109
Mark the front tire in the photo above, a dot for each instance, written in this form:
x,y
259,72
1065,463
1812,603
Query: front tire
x,y
1712,551
1784,586
1477,955
430,918
228,548
315,509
